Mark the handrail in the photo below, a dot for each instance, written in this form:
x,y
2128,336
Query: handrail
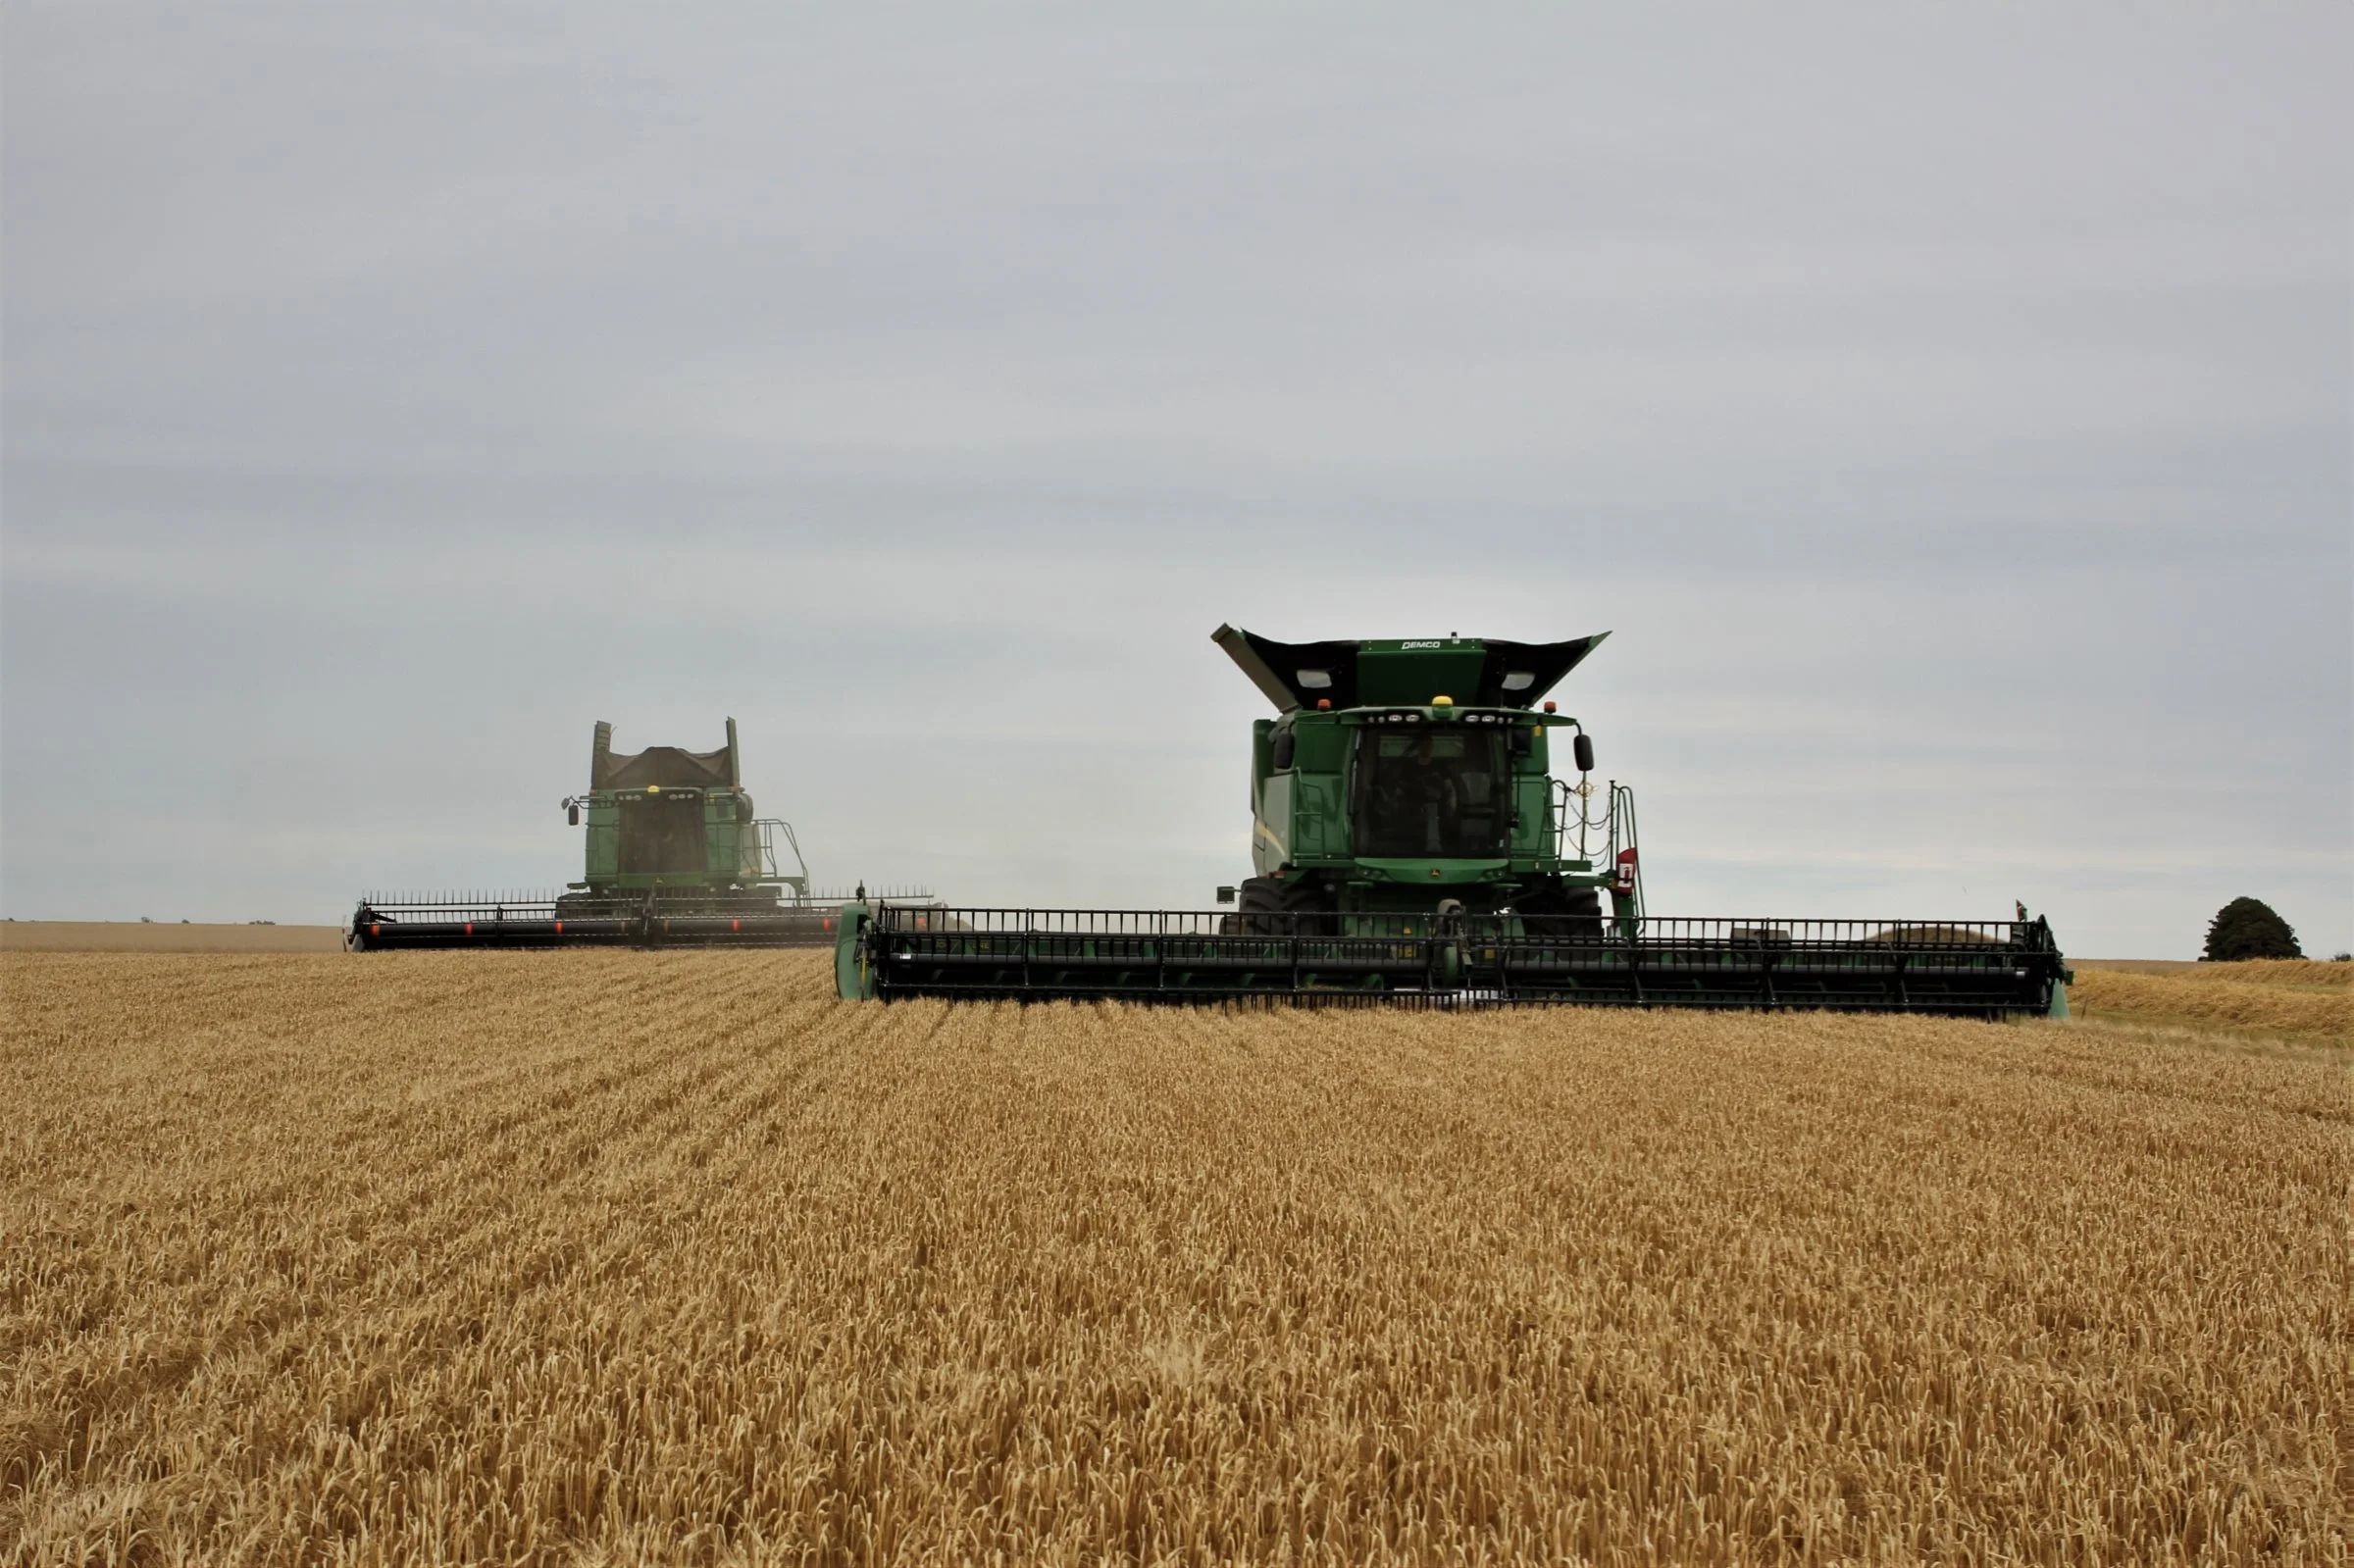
x,y
1573,817
768,829
1622,836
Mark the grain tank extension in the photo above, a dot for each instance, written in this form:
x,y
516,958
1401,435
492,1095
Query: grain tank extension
x,y
1413,844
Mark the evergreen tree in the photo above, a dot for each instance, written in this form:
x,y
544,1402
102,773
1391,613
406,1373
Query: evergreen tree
x,y
2247,927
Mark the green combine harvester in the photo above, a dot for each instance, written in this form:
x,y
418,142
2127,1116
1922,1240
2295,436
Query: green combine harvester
x,y
676,855
1411,845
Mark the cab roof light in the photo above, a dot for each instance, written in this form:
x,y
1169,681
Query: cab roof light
x,y
1549,705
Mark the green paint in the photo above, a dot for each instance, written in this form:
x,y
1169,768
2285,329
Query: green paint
x,y
669,818
852,979
1399,800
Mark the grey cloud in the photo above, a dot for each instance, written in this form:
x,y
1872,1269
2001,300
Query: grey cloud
x,y
1949,411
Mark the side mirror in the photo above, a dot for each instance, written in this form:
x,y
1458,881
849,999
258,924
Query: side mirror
x,y
744,810
1582,748
572,812
1225,895
1284,744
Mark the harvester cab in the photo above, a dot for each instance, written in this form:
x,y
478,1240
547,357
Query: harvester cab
x,y
1411,845
1399,777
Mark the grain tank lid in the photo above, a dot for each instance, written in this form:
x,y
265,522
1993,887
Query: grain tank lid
x,y
660,767
1292,674
1517,674
667,767
1474,672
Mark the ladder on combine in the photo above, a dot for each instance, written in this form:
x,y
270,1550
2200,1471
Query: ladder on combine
x,y
1606,839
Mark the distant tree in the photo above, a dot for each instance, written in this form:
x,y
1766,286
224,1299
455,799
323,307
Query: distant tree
x,y
2247,927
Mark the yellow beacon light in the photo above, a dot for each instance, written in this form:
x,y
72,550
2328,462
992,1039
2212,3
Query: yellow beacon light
x,y
1442,702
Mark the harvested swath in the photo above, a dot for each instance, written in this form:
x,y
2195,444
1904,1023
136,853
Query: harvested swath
x,y
2243,972
2323,1011
618,1256
2275,972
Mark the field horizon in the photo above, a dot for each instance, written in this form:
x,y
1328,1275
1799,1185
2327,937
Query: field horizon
x,y
181,936
161,937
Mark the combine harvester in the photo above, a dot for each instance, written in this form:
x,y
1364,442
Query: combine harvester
x,y
1412,847
676,856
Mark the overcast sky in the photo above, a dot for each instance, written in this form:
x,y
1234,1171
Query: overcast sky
x,y
1947,409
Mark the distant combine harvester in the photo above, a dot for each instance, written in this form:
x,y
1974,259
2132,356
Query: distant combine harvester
x,y
676,855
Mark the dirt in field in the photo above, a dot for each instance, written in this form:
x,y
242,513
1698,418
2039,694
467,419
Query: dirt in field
x,y
620,1257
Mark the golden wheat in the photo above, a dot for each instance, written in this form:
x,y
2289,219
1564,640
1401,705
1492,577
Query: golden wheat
x,y
623,1256
2275,971
2288,996
2247,970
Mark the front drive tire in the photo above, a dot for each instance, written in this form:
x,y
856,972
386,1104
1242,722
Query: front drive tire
x,y
1267,907
1571,913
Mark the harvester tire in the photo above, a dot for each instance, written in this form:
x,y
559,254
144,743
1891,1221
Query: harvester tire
x,y
1571,912
1267,907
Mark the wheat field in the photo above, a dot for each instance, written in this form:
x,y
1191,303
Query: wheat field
x,y
2288,998
620,1257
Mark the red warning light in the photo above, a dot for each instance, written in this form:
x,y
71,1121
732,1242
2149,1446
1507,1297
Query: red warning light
x,y
1549,705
